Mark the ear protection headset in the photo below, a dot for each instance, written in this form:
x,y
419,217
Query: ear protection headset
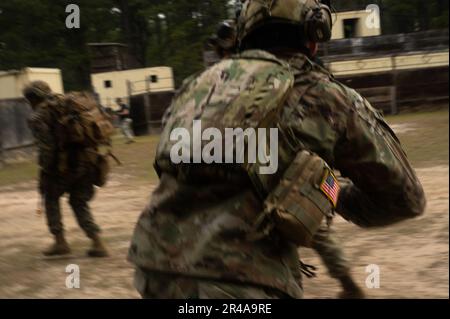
x,y
318,23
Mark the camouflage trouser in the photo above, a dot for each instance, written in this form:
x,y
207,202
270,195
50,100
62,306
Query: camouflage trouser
x,y
127,131
80,193
331,253
158,285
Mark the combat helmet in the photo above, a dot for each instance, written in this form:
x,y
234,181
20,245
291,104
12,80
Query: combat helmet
x,y
312,16
39,89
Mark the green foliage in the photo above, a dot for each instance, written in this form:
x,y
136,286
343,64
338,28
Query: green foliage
x,y
414,15
178,33
34,34
157,32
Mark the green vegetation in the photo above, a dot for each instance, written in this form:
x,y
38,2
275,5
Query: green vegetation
x,y
137,158
158,32
425,139
17,173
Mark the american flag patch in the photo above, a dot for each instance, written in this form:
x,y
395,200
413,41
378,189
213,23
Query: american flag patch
x,y
330,187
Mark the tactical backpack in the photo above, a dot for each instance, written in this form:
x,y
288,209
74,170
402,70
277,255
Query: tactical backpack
x,y
249,91
83,123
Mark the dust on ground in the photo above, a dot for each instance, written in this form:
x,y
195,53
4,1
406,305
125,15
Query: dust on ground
x,y
412,256
25,273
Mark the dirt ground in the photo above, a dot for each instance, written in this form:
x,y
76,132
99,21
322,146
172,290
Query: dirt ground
x,y
412,256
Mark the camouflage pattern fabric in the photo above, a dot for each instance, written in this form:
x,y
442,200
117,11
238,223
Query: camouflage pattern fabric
x,y
80,191
40,125
68,171
200,216
259,12
158,285
331,253
127,131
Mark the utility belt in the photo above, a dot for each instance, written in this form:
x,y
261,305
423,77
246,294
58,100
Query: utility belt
x,y
295,208
204,173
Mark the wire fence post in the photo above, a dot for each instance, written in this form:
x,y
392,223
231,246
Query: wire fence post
x,y
394,106
147,104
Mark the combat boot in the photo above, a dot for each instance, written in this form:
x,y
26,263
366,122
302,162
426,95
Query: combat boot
x,y
350,289
59,247
98,248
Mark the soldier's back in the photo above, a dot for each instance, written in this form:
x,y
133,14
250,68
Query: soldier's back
x,y
201,215
200,222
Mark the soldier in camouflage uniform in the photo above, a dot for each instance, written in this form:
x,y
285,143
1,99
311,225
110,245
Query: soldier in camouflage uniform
x,y
216,230
324,243
61,171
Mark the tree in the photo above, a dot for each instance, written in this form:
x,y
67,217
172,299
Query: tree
x,y
34,34
134,26
178,32
157,32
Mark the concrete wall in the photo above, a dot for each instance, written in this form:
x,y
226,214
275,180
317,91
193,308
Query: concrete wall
x,y
52,76
12,82
138,78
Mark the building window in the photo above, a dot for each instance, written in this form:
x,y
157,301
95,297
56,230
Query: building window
x,y
108,84
351,28
153,78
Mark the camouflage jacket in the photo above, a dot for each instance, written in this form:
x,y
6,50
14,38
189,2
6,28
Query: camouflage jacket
x,y
55,159
199,218
41,123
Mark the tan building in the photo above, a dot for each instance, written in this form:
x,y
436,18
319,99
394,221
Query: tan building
x,y
121,84
12,82
356,24
405,61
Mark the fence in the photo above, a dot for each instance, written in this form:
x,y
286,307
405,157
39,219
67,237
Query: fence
x,y
434,40
395,72
148,105
398,90
14,131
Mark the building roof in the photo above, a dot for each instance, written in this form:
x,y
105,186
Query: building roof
x,y
9,72
41,70
29,69
155,68
343,5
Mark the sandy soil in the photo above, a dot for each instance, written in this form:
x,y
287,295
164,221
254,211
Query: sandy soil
x,y
412,256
